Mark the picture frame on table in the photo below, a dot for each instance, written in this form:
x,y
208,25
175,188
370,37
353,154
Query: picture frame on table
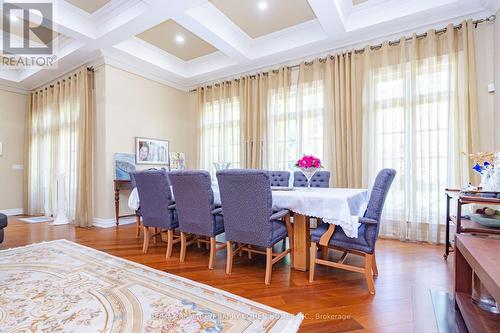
x,y
152,151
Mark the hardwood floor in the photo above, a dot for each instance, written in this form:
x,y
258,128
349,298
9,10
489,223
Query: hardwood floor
x,y
337,301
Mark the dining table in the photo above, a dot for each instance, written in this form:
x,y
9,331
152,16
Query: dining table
x,y
338,206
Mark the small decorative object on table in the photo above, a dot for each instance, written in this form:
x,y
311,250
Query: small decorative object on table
x,y
309,165
484,164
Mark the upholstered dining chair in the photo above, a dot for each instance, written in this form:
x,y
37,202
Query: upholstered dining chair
x,y
138,211
196,211
3,225
249,220
329,236
157,206
279,178
320,179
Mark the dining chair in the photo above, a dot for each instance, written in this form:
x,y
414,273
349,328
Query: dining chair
x,y
196,211
279,178
320,179
328,236
138,225
249,220
157,206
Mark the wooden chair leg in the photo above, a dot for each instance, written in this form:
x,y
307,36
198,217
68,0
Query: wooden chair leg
x,y
182,257
313,250
138,226
292,252
207,245
170,243
240,253
249,253
145,244
374,265
155,237
324,252
283,245
368,273
211,260
229,260
269,265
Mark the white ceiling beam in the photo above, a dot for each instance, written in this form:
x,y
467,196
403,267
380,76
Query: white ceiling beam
x,y
140,49
208,23
329,17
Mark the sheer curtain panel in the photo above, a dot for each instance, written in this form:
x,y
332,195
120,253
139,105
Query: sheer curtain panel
x,y
420,118
59,139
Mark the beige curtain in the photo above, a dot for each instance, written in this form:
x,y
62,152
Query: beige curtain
x,y
329,96
419,108
59,139
253,94
281,126
234,121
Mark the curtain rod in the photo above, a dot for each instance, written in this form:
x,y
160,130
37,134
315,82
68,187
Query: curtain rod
x,y
58,81
490,18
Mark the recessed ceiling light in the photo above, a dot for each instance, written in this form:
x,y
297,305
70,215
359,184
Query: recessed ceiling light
x,y
179,39
262,5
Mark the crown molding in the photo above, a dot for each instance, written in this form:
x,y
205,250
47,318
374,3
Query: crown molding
x,y
13,88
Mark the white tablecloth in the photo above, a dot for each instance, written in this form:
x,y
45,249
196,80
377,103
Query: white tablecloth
x,y
339,206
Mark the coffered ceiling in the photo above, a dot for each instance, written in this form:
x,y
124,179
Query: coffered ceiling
x,y
185,43
90,6
257,21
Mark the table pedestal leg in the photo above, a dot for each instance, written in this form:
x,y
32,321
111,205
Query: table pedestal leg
x,y
301,242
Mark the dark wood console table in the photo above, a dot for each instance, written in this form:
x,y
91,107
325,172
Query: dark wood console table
x,y
479,255
120,185
465,225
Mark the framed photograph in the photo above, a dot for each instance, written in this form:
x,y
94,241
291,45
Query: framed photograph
x,y
151,151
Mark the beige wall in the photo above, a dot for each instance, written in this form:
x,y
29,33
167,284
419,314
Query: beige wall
x,y
128,106
12,123
485,62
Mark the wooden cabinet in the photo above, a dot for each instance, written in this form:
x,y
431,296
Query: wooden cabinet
x,y
479,255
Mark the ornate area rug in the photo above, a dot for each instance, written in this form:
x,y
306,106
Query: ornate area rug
x,y
61,286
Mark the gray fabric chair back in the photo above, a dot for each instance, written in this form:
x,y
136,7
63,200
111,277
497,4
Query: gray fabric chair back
x,y
155,196
320,179
194,201
378,193
247,205
132,177
279,178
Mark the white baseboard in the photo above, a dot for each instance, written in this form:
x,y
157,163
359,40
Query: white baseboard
x,y
110,223
12,212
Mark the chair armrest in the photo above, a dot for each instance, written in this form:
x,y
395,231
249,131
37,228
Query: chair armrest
x,y
279,215
216,211
171,207
366,220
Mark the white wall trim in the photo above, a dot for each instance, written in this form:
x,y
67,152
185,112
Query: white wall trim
x,y
14,89
110,223
12,211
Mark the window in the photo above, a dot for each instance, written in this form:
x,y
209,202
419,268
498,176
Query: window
x,y
221,134
409,124
295,124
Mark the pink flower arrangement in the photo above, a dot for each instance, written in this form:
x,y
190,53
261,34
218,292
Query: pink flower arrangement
x,y
308,162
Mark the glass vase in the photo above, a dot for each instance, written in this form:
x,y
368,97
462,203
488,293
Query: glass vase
x,y
482,298
309,173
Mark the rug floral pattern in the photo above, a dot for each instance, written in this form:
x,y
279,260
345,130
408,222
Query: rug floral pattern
x,y
60,286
